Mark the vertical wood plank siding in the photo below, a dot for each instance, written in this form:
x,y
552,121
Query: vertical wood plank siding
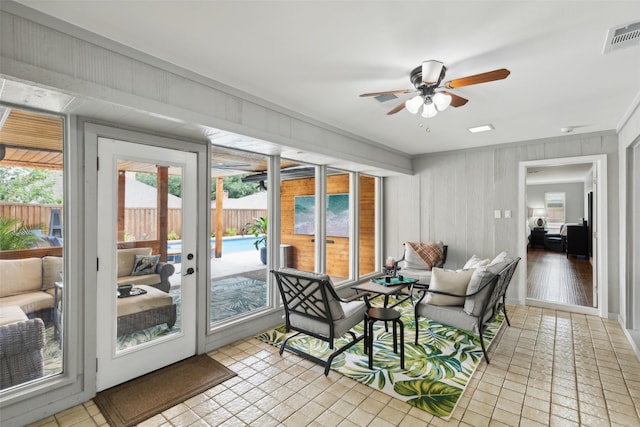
x,y
338,251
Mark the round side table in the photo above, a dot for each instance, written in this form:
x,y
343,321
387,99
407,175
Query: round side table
x,y
386,315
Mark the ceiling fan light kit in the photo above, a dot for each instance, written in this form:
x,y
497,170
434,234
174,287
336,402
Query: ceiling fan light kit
x,y
426,78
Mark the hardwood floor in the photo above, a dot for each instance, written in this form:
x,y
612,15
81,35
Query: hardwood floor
x,y
552,277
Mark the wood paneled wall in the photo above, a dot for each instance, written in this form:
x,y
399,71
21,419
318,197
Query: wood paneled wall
x,y
367,207
453,195
338,248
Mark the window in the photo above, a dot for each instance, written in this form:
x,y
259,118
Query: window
x,y
32,206
555,206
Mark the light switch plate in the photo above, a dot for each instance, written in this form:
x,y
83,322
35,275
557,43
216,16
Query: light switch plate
x,y
507,214
496,214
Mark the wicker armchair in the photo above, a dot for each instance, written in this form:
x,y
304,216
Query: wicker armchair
x,y
21,346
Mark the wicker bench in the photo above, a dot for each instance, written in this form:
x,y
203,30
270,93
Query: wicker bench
x,y
144,311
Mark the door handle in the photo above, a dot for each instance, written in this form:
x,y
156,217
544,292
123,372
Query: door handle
x,y
190,271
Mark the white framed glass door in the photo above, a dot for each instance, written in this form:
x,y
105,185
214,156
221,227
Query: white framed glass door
x,y
146,290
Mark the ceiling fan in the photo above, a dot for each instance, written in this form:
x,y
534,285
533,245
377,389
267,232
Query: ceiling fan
x,y
431,97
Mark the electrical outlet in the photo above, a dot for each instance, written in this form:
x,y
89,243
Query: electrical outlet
x,y
507,214
496,214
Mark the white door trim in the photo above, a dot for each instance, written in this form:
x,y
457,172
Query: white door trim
x,y
88,295
601,247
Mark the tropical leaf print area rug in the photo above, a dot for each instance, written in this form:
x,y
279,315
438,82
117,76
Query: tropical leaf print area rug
x,y
437,370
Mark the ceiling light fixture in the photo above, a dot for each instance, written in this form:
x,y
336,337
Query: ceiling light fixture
x,y
430,103
481,128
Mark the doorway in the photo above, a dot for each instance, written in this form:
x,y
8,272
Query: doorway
x,y
146,305
553,217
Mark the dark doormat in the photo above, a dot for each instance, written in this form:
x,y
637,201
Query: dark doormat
x,y
132,402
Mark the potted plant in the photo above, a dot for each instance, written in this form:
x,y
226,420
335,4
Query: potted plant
x,y
258,227
15,235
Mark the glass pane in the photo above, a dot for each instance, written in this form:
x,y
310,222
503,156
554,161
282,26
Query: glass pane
x,y
148,252
367,212
338,226
239,218
297,204
31,251
555,206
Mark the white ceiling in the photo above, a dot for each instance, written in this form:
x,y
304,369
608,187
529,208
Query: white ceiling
x,y
316,57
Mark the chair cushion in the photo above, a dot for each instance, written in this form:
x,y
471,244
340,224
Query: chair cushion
x,y
18,276
353,314
52,267
448,315
451,281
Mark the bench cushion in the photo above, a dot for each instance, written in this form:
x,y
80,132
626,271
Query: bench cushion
x,y
11,314
29,302
152,299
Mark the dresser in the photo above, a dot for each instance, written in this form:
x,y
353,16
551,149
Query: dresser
x,y
577,240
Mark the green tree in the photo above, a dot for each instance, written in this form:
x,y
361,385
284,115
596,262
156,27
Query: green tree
x,y
26,185
174,182
234,187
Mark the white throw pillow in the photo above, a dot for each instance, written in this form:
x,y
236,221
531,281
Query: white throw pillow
x,y
475,261
501,257
480,276
454,282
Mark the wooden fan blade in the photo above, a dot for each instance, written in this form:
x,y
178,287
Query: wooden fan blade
x,y
478,78
388,92
398,107
456,101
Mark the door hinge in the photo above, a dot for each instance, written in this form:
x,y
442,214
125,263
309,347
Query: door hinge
x,y
98,163
97,264
96,364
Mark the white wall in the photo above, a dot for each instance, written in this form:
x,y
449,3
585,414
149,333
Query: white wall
x,y
453,195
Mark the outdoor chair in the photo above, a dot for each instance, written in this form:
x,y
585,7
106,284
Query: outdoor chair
x,y
482,302
312,307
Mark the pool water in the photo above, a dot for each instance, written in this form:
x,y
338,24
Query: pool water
x,y
229,245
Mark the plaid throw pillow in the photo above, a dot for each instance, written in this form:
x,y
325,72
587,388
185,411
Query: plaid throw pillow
x,y
430,252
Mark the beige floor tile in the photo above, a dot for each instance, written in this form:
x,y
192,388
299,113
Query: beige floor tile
x,y
549,368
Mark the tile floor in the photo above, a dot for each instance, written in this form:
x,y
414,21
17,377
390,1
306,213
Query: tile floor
x,y
550,368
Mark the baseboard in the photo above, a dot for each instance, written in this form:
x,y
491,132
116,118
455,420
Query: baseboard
x,y
633,337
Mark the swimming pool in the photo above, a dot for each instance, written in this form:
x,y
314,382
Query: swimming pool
x,y
229,245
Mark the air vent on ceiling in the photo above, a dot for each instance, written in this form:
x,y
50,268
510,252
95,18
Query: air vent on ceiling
x,y
622,36
385,98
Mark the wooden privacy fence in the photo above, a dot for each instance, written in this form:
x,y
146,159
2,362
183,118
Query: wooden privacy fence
x,y
140,223
34,216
